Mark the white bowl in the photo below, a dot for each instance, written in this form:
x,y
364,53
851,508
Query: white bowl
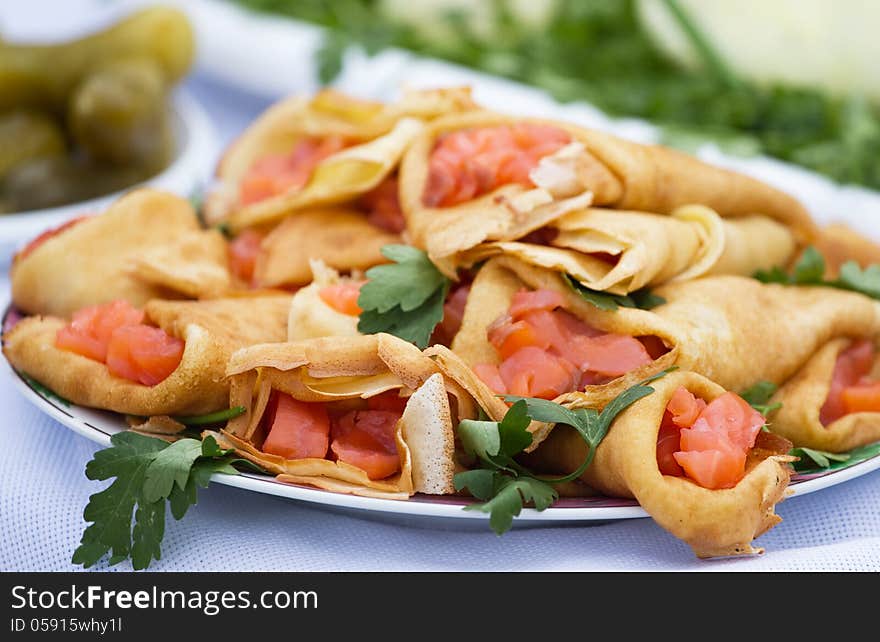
x,y
191,168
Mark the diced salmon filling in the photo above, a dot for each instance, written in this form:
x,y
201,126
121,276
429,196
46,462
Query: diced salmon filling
x,y
343,297
45,236
276,174
363,438
707,443
243,251
546,352
383,206
114,334
143,354
469,163
852,388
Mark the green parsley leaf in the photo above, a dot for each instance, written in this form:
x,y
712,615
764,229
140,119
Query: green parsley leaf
x,y
170,466
219,417
508,499
416,326
502,484
759,394
148,472
407,283
810,268
43,390
480,482
643,299
866,281
820,458
774,275
816,461
404,298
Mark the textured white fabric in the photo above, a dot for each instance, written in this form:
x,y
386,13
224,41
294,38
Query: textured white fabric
x,y
43,489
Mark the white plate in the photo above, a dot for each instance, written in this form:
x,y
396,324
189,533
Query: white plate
x,y
192,166
99,426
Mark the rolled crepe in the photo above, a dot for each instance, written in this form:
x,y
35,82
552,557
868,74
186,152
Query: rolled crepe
x,y
616,173
803,396
310,317
115,256
734,330
622,251
340,237
720,522
212,331
381,133
347,369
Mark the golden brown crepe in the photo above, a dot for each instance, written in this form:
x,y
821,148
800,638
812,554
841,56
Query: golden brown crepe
x,y
720,522
340,237
196,265
803,396
734,330
608,171
119,255
381,133
212,331
623,251
348,369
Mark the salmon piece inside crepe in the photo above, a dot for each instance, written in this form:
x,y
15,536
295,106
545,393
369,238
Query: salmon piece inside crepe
x,y
468,163
545,351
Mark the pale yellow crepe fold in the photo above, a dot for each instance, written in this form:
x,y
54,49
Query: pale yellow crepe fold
x,y
212,330
310,317
91,262
379,132
621,252
341,237
344,369
195,264
714,523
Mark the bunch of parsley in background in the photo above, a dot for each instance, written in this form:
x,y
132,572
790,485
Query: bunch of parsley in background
x,y
596,51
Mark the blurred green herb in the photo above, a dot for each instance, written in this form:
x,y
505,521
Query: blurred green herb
x,y
759,394
815,461
810,270
644,298
597,51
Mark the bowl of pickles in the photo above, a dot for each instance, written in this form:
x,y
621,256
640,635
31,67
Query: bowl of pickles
x,y
85,120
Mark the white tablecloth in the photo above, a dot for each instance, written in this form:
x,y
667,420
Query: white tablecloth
x,y
43,491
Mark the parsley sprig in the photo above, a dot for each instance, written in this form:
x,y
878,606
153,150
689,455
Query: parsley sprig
x,y
501,483
810,270
759,394
404,298
817,461
643,299
148,473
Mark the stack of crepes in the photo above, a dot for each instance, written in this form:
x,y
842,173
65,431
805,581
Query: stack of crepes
x,y
575,266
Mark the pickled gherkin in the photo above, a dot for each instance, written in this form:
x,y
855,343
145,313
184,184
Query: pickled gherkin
x,y
93,116
27,135
44,76
119,114
49,182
